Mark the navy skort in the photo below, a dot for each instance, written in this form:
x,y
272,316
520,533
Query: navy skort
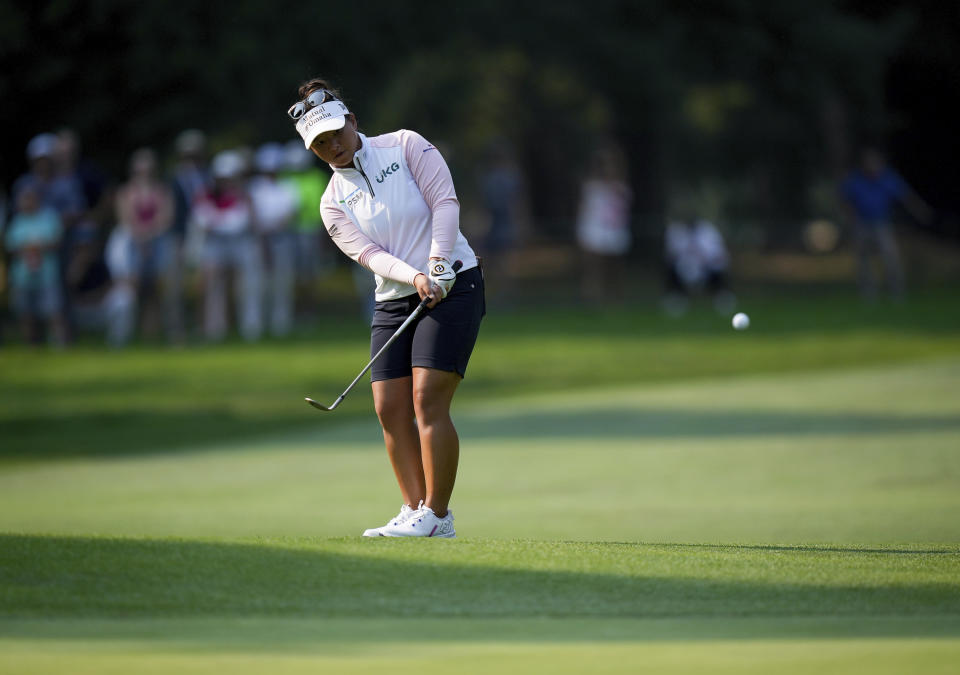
x,y
441,338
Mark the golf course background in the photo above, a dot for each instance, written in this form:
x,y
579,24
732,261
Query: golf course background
x,y
637,494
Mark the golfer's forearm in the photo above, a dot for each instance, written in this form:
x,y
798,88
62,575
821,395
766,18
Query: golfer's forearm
x,y
432,176
358,247
380,262
446,227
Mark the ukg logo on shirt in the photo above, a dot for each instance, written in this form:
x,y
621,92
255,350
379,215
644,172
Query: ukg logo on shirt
x,y
387,172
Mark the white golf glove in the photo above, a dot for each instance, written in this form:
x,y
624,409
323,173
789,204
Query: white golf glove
x,y
442,274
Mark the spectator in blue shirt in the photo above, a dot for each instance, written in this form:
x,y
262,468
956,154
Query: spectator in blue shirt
x,y
35,290
870,193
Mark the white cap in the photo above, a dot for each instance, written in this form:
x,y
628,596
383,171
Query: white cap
x,y
270,158
330,116
227,164
43,145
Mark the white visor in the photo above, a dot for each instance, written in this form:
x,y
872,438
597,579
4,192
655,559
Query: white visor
x,y
330,116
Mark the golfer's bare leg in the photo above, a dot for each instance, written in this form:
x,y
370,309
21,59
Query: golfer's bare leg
x,y
432,393
393,400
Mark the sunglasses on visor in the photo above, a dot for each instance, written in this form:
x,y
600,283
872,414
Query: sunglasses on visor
x,y
319,97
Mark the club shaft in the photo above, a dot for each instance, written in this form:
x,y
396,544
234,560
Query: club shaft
x,y
410,319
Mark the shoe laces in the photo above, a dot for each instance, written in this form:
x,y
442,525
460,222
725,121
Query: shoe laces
x,y
420,512
406,513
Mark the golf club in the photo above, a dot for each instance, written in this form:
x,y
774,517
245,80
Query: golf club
x,y
410,319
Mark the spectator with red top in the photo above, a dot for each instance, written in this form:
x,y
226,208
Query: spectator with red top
x,y
142,253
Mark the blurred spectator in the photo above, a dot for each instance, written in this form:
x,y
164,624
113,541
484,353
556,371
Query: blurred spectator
x,y
60,190
869,193
71,163
39,176
3,258
225,217
696,260
32,240
275,204
83,274
142,255
501,186
310,182
603,225
190,181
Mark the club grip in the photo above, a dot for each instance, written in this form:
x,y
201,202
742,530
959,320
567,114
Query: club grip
x,y
457,265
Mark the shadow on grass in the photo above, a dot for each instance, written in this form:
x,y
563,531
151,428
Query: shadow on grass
x,y
646,423
69,578
122,434
103,435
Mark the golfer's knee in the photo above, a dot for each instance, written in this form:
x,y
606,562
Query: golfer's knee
x,y
430,406
392,413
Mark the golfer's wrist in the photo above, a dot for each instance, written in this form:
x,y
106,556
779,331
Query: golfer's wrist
x,y
422,285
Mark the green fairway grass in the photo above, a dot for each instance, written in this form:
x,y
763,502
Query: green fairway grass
x,y
308,603
635,495
291,605
92,401
477,646
761,459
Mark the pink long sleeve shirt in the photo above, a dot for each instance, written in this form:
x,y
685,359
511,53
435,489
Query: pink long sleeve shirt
x,y
394,209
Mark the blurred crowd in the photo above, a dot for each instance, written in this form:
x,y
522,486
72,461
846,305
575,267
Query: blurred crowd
x,y
238,232
195,245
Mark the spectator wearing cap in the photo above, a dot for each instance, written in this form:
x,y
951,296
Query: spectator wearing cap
x,y
35,289
60,191
224,215
275,203
39,176
79,250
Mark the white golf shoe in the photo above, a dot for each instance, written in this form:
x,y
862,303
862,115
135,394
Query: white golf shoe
x,y
405,512
422,523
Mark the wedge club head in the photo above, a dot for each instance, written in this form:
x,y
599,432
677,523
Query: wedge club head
x,y
410,319
320,406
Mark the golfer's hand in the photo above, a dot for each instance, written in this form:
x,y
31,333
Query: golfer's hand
x,y
443,274
427,289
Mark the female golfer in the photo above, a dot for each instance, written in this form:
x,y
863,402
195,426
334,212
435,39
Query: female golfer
x,y
392,208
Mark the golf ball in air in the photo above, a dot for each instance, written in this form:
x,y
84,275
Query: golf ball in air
x,y
741,321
